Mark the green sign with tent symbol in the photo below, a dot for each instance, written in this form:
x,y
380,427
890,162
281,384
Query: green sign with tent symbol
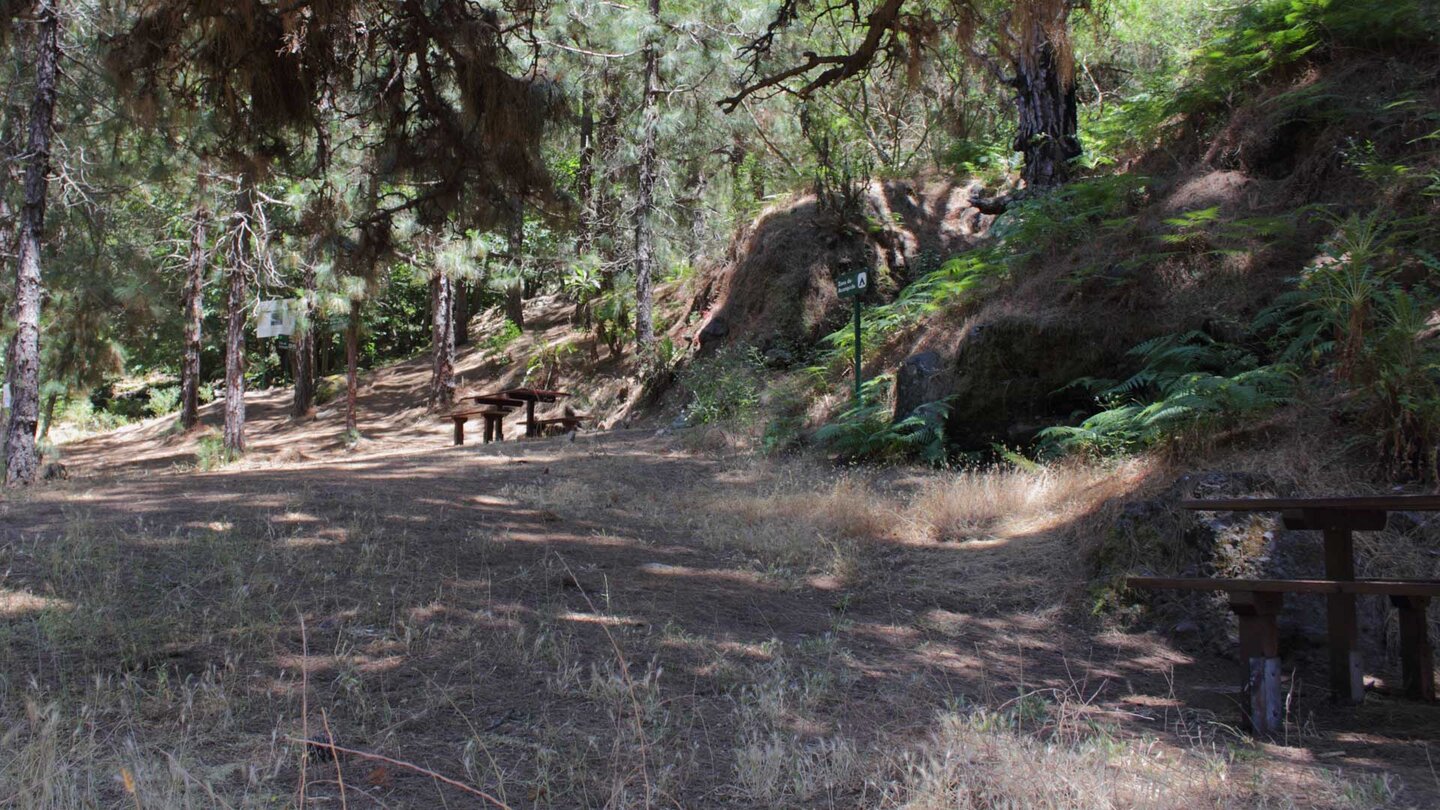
x,y
851,285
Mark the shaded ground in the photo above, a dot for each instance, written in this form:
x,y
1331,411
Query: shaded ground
x,y
615,621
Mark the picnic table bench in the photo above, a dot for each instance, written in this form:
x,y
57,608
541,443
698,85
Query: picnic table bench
x,y
494,423
1256,603
500,404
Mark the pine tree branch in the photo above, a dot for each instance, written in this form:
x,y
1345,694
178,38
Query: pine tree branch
x,y
878,24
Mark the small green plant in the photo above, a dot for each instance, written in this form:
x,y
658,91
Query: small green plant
x,y
1352,315
544,366
724,387
212,454
496,344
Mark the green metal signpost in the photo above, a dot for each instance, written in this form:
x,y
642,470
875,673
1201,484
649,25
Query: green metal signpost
x,y
852,286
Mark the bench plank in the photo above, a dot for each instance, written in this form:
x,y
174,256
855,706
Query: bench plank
x,y
1382,587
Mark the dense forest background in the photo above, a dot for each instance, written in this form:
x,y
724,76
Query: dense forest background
x,y
393,169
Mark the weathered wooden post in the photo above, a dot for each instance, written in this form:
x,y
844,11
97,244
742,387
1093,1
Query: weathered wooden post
x,y
1260,658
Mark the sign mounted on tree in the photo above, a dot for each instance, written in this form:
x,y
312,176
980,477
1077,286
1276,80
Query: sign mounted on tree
x,y
274,318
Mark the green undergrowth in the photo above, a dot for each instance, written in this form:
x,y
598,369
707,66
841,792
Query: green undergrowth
x,y
1357,322
866,430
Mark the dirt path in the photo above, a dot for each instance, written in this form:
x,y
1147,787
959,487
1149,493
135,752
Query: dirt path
x,y
612,621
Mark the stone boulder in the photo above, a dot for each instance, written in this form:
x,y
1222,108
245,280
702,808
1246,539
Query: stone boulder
x,y
1011,376
919,382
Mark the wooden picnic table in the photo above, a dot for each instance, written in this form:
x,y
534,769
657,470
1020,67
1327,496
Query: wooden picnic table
x,y
1336,518
526,396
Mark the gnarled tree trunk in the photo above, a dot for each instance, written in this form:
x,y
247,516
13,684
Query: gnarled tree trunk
x,y
645,202
1047,133
193,306
22,458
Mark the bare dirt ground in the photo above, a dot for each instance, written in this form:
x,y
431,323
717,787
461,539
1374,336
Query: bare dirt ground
x,y
623,620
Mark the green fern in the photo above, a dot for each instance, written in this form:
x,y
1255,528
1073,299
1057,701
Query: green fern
x,y
1186,382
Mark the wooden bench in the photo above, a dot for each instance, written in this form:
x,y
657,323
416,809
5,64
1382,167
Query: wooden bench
x,y
1256,604
567,422
494,423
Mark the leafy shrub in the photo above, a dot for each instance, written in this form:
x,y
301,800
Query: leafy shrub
x,y
867,432
958,279
613,324
1352,315
724,386
1187,382
1268,36
163,400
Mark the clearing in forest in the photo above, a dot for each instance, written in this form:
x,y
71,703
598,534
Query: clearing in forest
x,y
625,620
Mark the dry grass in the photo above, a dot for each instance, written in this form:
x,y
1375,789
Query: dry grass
x,y
160,663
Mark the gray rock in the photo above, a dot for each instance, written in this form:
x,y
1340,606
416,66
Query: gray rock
x,y
916,383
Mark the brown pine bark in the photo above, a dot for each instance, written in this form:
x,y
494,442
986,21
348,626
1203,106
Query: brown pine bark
x,y
22,458
442,336
585,177
242,255
645,201
465,299
352,366
302,352
515,293
193,305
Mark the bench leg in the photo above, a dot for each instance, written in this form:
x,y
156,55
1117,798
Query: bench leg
x,y
1262,701
1347,669
1417,657
459,431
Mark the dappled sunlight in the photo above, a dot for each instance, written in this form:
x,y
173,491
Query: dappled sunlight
x,y
15,604
773,602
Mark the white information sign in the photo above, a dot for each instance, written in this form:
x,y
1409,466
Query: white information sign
x,y
275,318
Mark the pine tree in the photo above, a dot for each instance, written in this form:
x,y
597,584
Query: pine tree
x,y
193,310
22,459
645,201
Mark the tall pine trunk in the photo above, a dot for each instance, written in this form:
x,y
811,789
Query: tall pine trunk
x,y
352,366
193,306
303,344
242,256
645,202
462,312
1048,134
515,293
585,177
22,458
442,336
302,353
